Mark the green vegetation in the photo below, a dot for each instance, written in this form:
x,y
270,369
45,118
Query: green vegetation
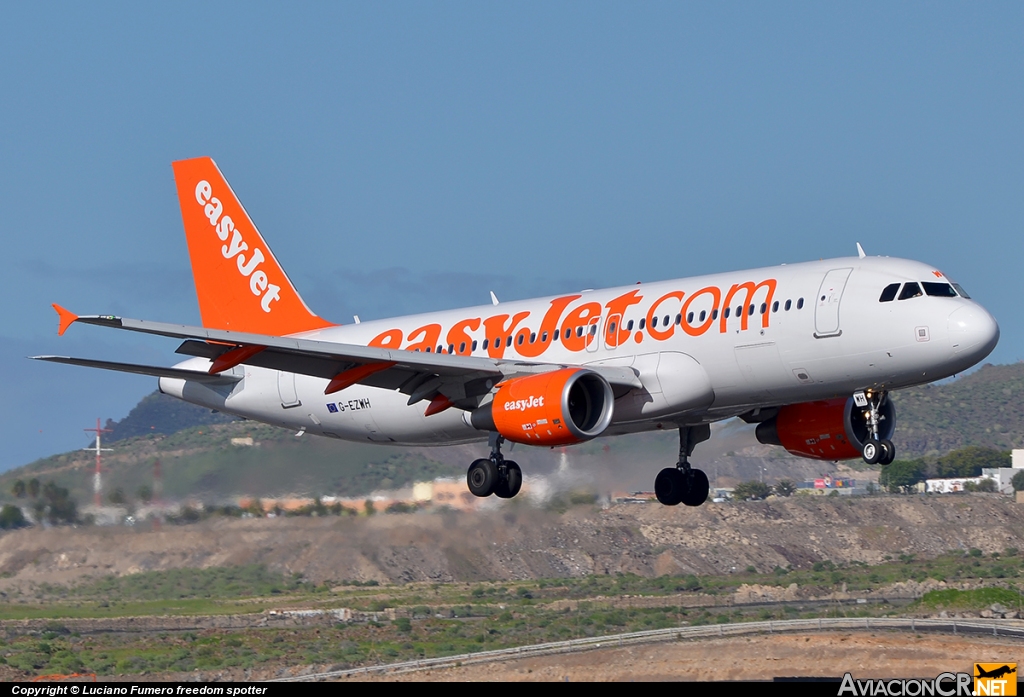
x,y
49,502
976,599
11,517
902,475
751,491
436,619
969,461
785,487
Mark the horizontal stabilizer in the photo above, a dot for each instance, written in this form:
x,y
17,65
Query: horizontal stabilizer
x,y
155,371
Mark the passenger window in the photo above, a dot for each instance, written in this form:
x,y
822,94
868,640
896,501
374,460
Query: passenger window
x,y
462,347
727,312
739,310
911,290
938,290
520,340
889,293
629,326
665,320
703,314
451,348
789,304
611,328
642,322
679,319
508,343
764,308
714,313
654,321
554,335
428,349
800,304
533,337
440,349
579,331
775,306
751,310
689,318
593,330
544,337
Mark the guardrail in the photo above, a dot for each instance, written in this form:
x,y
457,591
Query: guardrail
x,y
1007,628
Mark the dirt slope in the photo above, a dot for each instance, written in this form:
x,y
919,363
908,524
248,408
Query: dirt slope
x,y
513,541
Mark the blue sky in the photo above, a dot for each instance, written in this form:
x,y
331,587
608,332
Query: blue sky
x,y
403,157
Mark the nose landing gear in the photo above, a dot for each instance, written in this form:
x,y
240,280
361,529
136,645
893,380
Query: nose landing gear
x,y
876,450
494,475
683,484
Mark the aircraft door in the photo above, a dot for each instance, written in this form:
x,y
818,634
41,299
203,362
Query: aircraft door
x,y
286,390
611,331
826,306
593,340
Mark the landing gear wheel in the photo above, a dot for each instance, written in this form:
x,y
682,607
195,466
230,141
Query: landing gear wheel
x,y
482,478
697,491
888,452
508,486
872,452
670,486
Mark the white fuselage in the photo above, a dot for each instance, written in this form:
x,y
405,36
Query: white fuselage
x,y
804,331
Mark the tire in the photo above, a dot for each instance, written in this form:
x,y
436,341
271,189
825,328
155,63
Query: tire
x,y
872,452
888,452
508,487
697,492
482,477
670,486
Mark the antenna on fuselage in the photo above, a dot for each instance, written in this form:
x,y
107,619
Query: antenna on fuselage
x,y
494,298
860,251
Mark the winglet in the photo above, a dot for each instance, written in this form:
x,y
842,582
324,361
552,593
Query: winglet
x,y
67,317
860,251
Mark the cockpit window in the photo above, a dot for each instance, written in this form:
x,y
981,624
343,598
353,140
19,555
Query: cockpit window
x,y
911,290
889,293
938,290
961,291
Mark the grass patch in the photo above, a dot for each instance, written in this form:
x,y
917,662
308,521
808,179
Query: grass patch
x,y
976,599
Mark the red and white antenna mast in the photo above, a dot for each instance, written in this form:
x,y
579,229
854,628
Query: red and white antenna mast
x,y
97,481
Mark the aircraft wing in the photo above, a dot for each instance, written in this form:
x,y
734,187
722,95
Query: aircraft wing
x,y
156,371
420,375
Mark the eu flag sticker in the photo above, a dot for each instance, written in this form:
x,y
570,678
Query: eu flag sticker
x,y
333,408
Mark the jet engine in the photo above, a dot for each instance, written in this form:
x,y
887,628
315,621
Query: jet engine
x,y
558,408
834,429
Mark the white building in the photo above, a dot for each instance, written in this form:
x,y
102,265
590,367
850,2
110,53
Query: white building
x,y
1001,475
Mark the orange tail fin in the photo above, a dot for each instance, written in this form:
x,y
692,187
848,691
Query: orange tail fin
x,y
240,285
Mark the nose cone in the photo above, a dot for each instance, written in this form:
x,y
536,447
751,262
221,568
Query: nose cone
x,y
973,332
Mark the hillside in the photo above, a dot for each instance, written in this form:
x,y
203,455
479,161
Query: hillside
x,y
199,461
516,541
984,408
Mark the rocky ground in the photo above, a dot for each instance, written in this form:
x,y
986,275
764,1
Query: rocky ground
x,y
514,541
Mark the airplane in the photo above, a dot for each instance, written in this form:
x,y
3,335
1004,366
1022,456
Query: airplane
x,y
808,351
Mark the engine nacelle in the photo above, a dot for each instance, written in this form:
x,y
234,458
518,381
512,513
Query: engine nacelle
x,y
558,408
833,429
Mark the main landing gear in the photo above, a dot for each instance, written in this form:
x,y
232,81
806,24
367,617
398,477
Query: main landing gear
x,y
682,484
875,450
494,475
